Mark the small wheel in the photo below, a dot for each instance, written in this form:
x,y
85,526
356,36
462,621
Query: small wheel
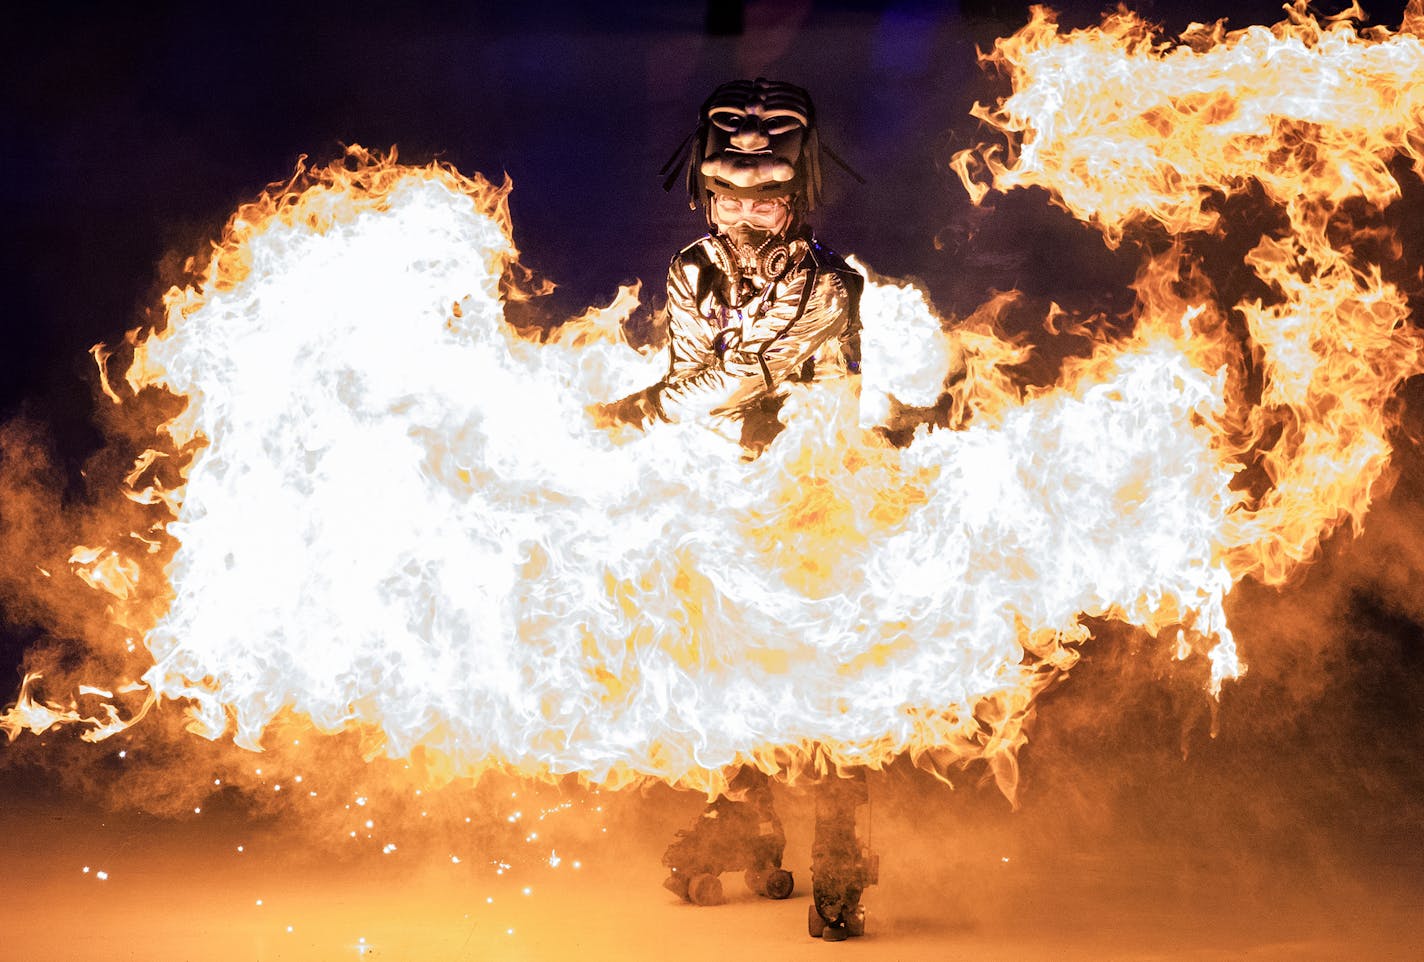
x,y
814,923
705,890
835,933
676,883
779,884
855,922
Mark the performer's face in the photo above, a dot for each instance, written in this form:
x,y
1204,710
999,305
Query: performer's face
x,y
755,132
771,214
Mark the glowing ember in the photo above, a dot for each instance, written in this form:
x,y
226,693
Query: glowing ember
x,y
396,514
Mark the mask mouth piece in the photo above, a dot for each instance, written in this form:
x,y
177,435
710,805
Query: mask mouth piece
x,y
745,235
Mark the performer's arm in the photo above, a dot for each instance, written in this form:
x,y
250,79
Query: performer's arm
x,y
811,307
803,311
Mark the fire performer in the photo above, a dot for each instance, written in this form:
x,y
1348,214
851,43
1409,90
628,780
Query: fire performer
x,y
755,303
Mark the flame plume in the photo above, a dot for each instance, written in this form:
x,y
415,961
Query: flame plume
x,y
1125,130
395,515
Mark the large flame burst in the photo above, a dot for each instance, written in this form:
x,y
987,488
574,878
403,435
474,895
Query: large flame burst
x,y
395,513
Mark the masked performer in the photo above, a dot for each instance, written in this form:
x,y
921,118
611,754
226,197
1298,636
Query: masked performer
x,y
755,303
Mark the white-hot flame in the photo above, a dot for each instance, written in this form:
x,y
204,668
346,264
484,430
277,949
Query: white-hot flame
x,y
398,516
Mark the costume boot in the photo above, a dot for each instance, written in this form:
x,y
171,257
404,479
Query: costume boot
x,y
738,831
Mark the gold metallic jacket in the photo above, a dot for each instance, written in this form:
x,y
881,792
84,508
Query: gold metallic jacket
x,y
742,324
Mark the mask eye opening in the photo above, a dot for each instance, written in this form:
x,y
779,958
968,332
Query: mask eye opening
x,y
727,119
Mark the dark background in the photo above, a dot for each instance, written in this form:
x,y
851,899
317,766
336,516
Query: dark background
x,y
128,137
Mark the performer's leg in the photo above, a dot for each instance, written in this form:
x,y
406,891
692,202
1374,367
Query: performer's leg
x,y
840,869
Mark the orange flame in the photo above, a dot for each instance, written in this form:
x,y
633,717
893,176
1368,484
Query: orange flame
x,y
1124,129
396,515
